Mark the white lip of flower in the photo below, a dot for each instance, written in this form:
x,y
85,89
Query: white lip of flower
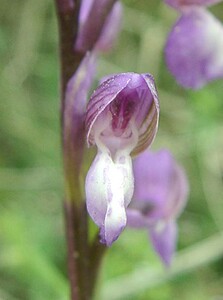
x,y
113,181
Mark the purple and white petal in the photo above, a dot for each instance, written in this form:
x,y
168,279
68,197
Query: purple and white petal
x,y
109,189
123,97
95,188
194,47
101,98
163,237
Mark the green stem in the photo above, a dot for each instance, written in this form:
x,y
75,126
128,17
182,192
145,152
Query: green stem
x,y
72,253
76,232
75,212
97,252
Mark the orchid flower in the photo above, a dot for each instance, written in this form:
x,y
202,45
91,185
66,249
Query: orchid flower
x,y
194,47
121,120
89,27
161,191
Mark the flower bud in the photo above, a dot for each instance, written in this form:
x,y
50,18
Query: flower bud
x,y
91,33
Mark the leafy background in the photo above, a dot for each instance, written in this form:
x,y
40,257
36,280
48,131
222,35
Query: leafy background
x,y
33,250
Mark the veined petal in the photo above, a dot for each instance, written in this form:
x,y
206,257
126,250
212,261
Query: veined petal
x,y
101,98
193,51
149,126
163,237
132,95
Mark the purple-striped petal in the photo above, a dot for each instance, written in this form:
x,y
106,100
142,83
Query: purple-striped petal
x,y
194,48
136,97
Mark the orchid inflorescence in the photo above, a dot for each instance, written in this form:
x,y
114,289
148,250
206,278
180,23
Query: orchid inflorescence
x,y
121,120
128,184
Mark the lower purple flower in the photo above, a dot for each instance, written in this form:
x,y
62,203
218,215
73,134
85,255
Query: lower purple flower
x,y
121,119
194,48
161,191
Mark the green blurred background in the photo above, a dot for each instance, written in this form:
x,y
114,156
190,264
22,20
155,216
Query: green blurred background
x,y
33,251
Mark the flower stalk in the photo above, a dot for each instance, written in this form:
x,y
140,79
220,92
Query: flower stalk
x,y
76,70
75,214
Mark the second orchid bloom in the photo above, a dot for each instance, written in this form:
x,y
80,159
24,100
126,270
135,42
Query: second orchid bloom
x,y
160,195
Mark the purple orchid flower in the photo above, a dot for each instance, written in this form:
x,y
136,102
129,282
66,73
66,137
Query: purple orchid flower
x,y
194,47
121,120
160,194
88,28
